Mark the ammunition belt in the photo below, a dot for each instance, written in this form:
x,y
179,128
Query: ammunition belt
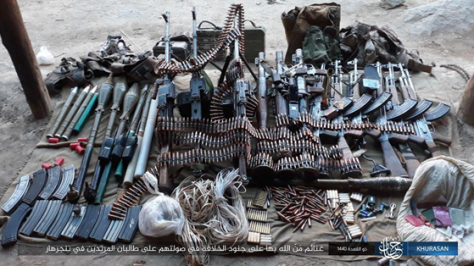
x,y
130,198
203,156
305,118
234,72
225,91
293,146
210,141
228,34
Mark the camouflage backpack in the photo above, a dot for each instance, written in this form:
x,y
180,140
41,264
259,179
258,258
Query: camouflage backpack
x,y
321,46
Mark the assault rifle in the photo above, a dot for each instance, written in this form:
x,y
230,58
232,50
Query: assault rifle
x,y
349,165
391,159
362,103
422,119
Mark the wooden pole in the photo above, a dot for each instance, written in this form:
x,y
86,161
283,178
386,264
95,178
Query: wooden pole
x,y
16,40
466,107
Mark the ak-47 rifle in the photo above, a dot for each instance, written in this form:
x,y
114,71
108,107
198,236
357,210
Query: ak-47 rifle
x,y
348,165
361,104
422,119
104,95
391,159
166,97
411,161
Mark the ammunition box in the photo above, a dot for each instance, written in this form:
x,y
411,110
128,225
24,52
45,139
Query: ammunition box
x,y
179,49
254,39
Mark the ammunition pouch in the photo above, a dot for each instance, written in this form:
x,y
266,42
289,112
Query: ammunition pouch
x,y
321,46
297,21
69,73
143,69
98,64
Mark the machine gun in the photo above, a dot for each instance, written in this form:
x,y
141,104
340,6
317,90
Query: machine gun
x,y
166,97
195,103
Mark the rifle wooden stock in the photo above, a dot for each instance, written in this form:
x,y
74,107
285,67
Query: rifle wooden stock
x,y
373,133
433,148
164,182
353,133
398,138
391,160
411,162
416,139
393,90
441,139
404,90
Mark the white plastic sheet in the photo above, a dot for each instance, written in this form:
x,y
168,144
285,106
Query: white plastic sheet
x,y
454,180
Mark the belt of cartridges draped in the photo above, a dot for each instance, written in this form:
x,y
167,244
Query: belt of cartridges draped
x,y
227,36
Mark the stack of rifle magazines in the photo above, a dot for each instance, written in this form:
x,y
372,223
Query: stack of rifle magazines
x,y
55,220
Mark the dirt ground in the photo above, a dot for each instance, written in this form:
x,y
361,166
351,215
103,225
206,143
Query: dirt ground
x,y
73,28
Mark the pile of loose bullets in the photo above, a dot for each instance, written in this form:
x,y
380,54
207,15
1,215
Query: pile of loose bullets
x,y
299,205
